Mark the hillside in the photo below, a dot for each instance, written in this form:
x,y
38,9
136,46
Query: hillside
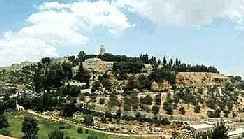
x,y
144,94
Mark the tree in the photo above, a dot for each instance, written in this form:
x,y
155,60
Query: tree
x,y
70,90
113,101
92,137
83,75
107,84
56,134
88,120
167,105
146,100
3,121
163,74
81,56
30,128
67,69
2,107
96,86
143,82
131,84
69,109
46,60
164,61
220,131
182,110
155,109
197,109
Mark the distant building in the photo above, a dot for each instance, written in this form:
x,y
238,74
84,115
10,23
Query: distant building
x,y
102,50
97,65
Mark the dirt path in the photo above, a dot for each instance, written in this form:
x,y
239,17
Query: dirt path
x,y
5,137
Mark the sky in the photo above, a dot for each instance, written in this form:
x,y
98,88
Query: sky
x,y
207,32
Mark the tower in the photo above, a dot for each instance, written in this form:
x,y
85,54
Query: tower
x,y
102,50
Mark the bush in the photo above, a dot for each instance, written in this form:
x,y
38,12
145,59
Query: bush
x,y
80,130
3,121
146,100
87,131
197,109
56,134
30,128
182,111
102,101
155,109
5,132
92,137
220,131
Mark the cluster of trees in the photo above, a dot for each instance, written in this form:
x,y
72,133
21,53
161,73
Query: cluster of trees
x,y
52,75
213,99
176,65
168,105
127,67
163,74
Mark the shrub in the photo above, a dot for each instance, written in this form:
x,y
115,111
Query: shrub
x,y
80,130
5,132
92,137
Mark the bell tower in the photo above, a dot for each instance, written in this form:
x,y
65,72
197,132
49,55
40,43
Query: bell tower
x,y
102,50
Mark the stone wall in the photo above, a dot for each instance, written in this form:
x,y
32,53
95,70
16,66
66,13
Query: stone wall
x,y
200,79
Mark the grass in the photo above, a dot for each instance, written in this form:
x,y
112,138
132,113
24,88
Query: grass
x,y
45,127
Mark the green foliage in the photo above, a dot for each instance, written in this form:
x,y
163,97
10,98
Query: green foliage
x,y
3,121
68,109
80,130
128,67
147,100
155,109
143,82
131,84
182,110
163,74
56,134
197,109
5,132
220,131
96,86
113,101
67,70
30,128
106,82
158,99
167,105
102,101
81,56
83,75
70,90
88,120
92,137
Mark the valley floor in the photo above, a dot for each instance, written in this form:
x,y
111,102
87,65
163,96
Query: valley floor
x,y
69,129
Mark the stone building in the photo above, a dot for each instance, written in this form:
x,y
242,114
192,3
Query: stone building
x,y
97,65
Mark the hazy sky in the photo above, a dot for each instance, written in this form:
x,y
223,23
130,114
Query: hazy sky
x,y
197,31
